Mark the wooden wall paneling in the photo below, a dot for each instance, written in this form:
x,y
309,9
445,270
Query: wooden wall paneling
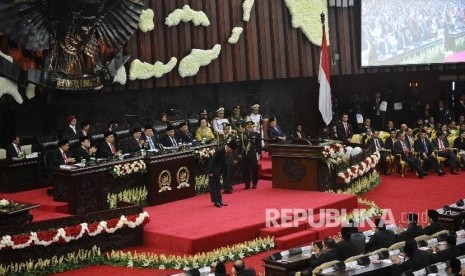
x,y
184,42
349,37
235,48
224,31
281,54
169,6
159,40
292,45
261,39
254,24
198,35
214,66
242,51
267,47
287,40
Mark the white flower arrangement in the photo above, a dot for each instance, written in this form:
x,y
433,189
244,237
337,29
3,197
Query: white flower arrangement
x,y
9,87
190,65
120,76
334,154
136,196
186,14
7,57
5,203
146,20
306,16
360,169
143,70
126,169
30,91
247,6
235,35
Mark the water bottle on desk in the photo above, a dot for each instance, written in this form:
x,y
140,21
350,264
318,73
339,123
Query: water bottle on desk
x,y
23,156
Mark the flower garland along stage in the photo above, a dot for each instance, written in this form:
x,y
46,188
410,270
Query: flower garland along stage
x,y
355,171
333,155
136,196
94,256
126,169
72,233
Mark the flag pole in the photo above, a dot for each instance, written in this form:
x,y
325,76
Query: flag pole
x,y
324,102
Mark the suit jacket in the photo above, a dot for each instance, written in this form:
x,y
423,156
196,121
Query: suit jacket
x,y
324,257
275,133
56,158
398,149
81,153
419,147
153,138
346,249
184,137
250,144
341,132
302,134
11,151
412,232
247,272
104,150
445,255
459,144
433,228
371,142
389,144
459,109
381,239
217,162
166,141
435,143
69,133
132,145
419,260
359,240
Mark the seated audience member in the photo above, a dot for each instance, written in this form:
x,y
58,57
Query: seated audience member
x,y
85,128
462,127
434,224
220,269
390,126
321,256
204,133
455,268
183,135
445,130
459,144
431,123
168,139
366,125
409,136
239,269
333,133
60,156
275,134
381,238
135,143
403,148
299,133
403,129
107,148
422,145
378,144
391,140
345,248
450,250
367,136
442,146
414,258
84,151
113,127
149,138
358,239
344,129
164,119
13,149
413,230
419,127
218,121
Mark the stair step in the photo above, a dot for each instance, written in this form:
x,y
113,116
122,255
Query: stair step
x,y
324,232
296,239
278,231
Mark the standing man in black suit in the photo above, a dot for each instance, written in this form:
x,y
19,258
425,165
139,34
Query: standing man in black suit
x,y
423,146
134,143
251,151
215,169
183,135
344,129
60,155
442,146
375,110
378,144
168,139
71,131
460,106
85,128
382,237
107,148
84,151
224,139
13,150
403,148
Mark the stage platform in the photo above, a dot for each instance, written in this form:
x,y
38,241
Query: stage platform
x,y
195,225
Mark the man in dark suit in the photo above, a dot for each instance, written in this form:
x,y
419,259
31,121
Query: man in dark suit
x,y
71,131
215,169
13,150
345,248
299,133
224,139
329,253
434,224
450,251
239,269
378,144
442,146
149,138
390,126
275,134
107,148
168,139
251,151
344,129
382,237
183,135
60,155
403,148
84,151
391,140
333,133
459,144
415,259
460,106
422,145
414,230
442,113
85,129
134,143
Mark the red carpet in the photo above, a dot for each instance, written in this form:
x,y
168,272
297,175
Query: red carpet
x,y
194,225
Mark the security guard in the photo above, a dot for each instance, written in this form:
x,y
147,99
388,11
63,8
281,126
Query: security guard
x,y
251,151
224,139
236,120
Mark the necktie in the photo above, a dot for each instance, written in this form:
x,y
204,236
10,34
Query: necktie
x,y
152,146
299,135
64,156
17,150
377,144
112,148
173,142
345,128
426,148
441,145
404,148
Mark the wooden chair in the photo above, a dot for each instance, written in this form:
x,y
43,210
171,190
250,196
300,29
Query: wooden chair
x,y
422,238
324,266
356,139
398,245
437,234
402,165
27,149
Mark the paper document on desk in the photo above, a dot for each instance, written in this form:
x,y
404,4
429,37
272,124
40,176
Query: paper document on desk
x,y
67,167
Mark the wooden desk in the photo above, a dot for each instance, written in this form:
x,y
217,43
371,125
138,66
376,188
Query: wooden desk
x,y
19,175
19,214
381,268
284,266
453,218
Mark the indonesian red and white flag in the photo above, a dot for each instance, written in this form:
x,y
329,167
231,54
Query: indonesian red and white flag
x,y
325,105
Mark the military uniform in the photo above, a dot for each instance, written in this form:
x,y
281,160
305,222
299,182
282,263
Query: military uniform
x,y
251,148
255,118
236,121
218,122
224,139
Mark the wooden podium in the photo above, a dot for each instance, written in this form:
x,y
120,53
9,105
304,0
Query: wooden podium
x,y
297,166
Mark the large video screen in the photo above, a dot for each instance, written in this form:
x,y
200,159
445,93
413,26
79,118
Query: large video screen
x,y
407,32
